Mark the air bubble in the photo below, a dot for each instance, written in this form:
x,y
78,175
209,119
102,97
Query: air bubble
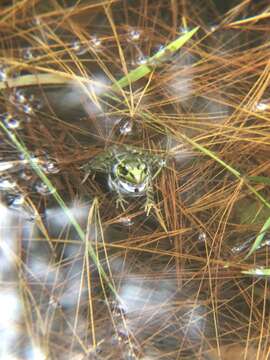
x,y
42,188
50,167
134,35
141,60
18,97
10,121
16,200
28,54
27,109
78,47
125,127
96,41
202,237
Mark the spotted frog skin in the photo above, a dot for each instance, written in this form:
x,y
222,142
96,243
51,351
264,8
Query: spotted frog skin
x,y
130,172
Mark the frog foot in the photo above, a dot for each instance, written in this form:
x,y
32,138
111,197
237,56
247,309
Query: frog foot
x,y
120,201
148,206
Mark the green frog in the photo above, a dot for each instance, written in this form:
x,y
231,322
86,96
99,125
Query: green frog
x,y
130,172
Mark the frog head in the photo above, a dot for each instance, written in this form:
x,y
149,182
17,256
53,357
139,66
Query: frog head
x,y
134,172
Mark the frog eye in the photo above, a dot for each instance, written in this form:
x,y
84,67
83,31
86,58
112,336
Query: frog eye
x,y
123,170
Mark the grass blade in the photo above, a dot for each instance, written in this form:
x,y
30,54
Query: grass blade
x,y
257,272
160,56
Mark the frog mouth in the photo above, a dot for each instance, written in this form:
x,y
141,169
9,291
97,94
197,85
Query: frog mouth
x,y
127,188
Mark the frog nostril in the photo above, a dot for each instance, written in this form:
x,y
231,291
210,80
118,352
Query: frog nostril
x,y
136,190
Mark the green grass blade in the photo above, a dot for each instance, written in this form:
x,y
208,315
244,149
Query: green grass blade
x,y
259,238
259,179
257,272
160,56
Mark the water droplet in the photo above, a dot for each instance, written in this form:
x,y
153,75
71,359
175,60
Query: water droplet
x,y
213,28
17,97
96,41
27,109
42,188
134,35
50,167
10,121
15,200
7,184
202,237
78,47
141,60
125,127
28,54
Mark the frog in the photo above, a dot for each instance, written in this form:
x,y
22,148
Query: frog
x,y
130,173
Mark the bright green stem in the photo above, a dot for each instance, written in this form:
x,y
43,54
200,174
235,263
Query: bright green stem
x,y
159,57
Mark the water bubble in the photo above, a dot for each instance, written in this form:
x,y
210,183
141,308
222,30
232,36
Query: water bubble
x,y
27,109
202,237
50,167
42,188
27,54
162,162
213,28
96,41
141,60
7,184
10,121
18,97
125,127
134,35
15,200
78,47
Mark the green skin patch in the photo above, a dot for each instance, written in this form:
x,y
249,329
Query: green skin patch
x,y
134,173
